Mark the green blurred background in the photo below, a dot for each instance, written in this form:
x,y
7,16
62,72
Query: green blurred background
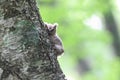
x,y
90,33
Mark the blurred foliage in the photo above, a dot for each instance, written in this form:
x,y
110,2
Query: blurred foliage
x,y
81,41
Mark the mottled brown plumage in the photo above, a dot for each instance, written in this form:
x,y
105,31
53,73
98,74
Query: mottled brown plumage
x,y
54,38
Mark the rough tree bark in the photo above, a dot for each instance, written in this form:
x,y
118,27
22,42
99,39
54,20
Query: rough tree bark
x,y
25,49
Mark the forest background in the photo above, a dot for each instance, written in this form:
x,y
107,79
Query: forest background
x,y
90,33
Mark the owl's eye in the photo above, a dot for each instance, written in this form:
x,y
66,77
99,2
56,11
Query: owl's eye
x,y
52,30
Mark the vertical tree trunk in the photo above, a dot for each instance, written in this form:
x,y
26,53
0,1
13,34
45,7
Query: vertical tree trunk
x,y
25,49
112,28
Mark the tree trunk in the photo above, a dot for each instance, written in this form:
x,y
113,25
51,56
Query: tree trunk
x,y
112,28
26,52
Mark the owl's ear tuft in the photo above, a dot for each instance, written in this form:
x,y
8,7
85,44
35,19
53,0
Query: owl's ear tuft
x,y
45,24
55,25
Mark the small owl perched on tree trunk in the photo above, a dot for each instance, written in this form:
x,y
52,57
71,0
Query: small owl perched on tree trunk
x,y
54,38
